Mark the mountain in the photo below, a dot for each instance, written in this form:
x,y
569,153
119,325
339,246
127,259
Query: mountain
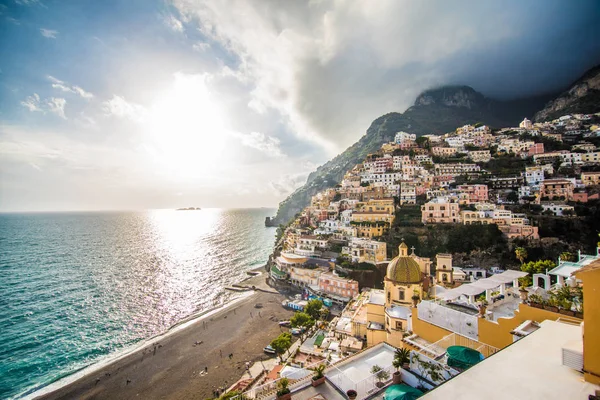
x,y
435,111
582,97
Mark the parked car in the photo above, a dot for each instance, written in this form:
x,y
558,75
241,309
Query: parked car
x,y
284,323
269,350
297,331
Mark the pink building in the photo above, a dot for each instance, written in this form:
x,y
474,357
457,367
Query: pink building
x,y
537,148
476,193
334,285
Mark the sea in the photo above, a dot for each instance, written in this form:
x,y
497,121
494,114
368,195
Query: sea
x,y
81,288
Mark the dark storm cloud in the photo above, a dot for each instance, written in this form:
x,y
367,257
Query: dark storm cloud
x,y
331,67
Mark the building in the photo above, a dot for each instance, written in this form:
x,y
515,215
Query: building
x,y
526,124
559,209
365,250
520,231
405,283
443,151
533,175
536,148
556,189
443,268
479,155
590,178
402,137
592,157
509,182
532,368
590,276
476,193
330,284
440,210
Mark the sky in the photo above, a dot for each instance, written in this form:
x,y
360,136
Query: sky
x,y
138,104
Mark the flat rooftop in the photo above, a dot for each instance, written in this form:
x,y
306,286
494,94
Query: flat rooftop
x,y
528,369
347,375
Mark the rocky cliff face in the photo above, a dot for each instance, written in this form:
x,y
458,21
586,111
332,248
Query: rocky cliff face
x,y
435,111
452,96
582,97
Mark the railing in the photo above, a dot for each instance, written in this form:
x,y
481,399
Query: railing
x,y
365,387
459,340
269,389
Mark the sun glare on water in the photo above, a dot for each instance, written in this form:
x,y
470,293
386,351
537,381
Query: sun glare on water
x,y
186,129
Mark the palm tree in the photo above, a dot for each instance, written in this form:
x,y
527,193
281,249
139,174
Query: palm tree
x,y
521,254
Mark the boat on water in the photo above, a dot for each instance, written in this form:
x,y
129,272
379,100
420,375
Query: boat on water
x,y
189,209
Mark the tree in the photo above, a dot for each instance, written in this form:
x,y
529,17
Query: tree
x,y
513,197
380,373
301,319
566,256
521,254
313,308
422,141
535,267
282,343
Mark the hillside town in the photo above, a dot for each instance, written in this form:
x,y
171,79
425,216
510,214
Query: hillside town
x,y
431,318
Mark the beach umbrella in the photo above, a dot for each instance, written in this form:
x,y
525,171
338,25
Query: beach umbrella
x,y
402,392
463,357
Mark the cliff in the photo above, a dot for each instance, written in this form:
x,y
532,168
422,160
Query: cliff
x,y
582,97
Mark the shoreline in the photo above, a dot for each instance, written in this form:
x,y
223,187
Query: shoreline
x,y
86,371
184,367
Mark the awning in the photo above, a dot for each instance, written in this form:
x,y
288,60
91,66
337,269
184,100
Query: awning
x,y
463,357
474,288
402,392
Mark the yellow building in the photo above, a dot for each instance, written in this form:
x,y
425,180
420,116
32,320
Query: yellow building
x,y
590,275
405,282
443,268
385,205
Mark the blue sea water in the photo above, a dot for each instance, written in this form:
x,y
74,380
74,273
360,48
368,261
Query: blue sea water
x,y
76,288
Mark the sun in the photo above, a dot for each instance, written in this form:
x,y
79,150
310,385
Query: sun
x,y
186,129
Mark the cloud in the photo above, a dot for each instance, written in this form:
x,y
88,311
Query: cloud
x,y
329,68
29,2
201,46
57,106
261,142
121,108
48,33
65,87
32,103
286,184
173,23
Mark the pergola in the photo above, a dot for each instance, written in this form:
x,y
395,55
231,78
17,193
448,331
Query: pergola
x,y
484,285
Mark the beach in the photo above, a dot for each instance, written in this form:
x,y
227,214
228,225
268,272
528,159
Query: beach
x,y
192,362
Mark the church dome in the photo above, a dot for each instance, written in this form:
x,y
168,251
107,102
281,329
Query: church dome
x,y
404,269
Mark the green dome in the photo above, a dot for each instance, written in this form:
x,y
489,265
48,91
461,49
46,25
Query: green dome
x,y
404,269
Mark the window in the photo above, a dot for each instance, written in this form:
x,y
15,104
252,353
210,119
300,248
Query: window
x,y
399,325
401,294
389,296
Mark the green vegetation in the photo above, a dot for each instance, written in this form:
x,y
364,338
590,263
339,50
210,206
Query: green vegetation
x,y
521,254
313,309
318,371
506,165
535,267
301,319
282,343
282,386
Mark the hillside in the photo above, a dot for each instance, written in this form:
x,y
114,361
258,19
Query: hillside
x,y
435,111
582,97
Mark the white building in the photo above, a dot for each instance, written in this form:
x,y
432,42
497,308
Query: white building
x,y
402,137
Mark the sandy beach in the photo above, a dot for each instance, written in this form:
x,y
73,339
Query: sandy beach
x,y
192,362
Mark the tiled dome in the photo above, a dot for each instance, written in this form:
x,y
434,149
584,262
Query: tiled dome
x,y
404,269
